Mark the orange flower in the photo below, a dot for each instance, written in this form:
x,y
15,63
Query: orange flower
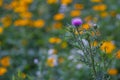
x,y
26,15
1,3
78,6
100,7
66,2
5,61
107,46
104,14
2,71
14,4
52,1
27,1
21,22
60,60
88,18
112,71
54,40
23,75
39,23
113,13
6,21
20,9
55,51
1,30
97,1
118,54
86,26
57,25
59,16
75,13
50,62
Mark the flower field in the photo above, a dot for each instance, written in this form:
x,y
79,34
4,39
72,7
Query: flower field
x,y
59,40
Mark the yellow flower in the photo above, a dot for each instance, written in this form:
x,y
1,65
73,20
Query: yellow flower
x,y
27,1
100,7
50,62
104,14
88,18
64,45
52,51
21,22
2,71
39,23
7,7
57,25
55,51
1,30
80,31
112,71
23,75
54,40
78,6
1,3
75,13
94,43
59,16
6,21
5,61
93,33
20,9
107,46
96,33
48,29
118,54
97,1
60,60
52,1
26,15
113,13
66,2
95,19
14,4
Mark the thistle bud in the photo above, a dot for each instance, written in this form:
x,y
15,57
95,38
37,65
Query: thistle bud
x,y
76,22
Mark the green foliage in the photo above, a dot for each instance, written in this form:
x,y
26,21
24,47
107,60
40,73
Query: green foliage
x,y
36,41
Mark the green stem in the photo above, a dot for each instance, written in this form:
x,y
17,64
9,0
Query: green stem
x,y
93,62
83,47
79,44
91,55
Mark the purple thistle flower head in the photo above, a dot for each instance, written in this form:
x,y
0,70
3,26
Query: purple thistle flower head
x,y
76,22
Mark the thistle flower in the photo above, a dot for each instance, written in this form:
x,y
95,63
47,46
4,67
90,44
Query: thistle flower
x,y
76,22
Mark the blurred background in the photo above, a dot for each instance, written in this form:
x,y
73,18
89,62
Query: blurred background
x,y
32,36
